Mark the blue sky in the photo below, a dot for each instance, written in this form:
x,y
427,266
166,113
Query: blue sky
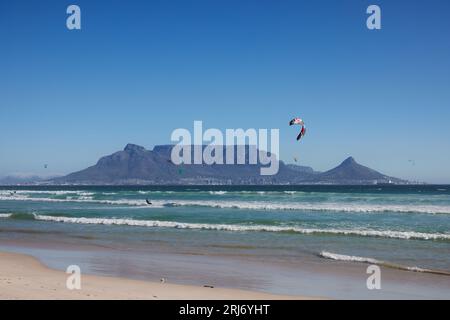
x,y
139,69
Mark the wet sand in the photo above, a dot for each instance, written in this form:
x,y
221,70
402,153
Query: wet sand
x,y
24,277
250,277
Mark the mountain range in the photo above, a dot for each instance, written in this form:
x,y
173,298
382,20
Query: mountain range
x,y
135,165
20,179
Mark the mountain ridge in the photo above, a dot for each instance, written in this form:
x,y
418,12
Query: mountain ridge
x,y
135,165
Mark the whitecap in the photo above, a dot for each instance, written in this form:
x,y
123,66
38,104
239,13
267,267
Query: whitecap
x,y
232,227
261,205
348,258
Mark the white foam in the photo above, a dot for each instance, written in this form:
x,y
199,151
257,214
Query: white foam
x,y
154,191
230,227
218,192
295,206
5,215
51,192
126,202
343,257
258,205
82,198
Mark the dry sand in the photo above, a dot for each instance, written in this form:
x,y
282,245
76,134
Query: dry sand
x,y
24,277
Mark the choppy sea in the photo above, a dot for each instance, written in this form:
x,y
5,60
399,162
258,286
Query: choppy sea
x,y
405,227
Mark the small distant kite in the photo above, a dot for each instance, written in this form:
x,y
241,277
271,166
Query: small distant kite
x,y
300,122
45,166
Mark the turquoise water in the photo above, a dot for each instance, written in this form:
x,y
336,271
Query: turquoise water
x,y
405,225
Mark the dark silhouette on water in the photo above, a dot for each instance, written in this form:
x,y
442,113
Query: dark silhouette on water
x,y
148,202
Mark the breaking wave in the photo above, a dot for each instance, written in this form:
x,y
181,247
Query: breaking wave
x,y
241,228
339,207
19,216
342,257
82,199
252,205
218,192
50,192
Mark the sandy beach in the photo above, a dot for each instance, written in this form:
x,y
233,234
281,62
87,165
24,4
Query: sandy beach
x,y
24,277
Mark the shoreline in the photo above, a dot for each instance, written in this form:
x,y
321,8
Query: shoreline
x,y
308,242
25,277
186,275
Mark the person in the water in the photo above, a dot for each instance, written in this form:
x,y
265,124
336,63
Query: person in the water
x,y
148,202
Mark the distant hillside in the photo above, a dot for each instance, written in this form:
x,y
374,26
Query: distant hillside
x,y
351,172
302,169
22,180
137,166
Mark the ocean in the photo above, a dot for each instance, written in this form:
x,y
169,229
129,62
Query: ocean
x,y
404,227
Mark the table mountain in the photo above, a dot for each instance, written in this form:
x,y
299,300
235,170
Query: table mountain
x,y
135,165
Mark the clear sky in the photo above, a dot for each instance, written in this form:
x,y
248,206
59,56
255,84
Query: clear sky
x,y
139,69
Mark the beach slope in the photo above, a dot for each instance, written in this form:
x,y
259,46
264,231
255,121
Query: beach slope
x,y
24,277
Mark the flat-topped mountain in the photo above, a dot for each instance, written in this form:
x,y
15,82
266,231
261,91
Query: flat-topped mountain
x,y
135,165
